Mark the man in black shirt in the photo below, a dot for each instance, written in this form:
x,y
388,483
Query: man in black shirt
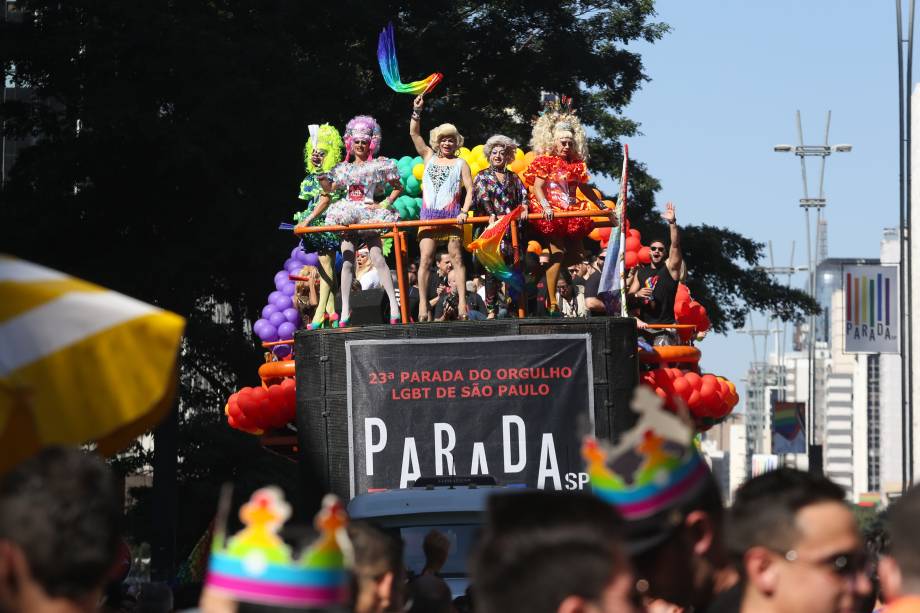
x,y
592,282
654,288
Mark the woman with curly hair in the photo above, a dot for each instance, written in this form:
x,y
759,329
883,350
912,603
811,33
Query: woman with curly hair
x,y
447,192
553,178
496,192
322,153
362,182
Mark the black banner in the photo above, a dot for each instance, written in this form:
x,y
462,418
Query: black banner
x,y
513,407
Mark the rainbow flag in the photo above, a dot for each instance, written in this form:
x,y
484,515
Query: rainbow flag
x,y
487,250
612,287
389,67
787,419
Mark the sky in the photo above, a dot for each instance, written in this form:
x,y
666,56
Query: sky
x,y
724,87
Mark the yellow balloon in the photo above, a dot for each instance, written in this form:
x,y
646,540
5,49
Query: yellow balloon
x,y
477,150
519,154
464,152
418,170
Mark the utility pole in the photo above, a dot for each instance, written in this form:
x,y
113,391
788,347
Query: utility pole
x,y
905,83
807,202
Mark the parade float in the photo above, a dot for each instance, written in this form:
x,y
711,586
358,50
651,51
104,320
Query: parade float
x,y
375,407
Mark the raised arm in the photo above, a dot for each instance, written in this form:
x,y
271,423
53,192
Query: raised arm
x,y
415,128
675,256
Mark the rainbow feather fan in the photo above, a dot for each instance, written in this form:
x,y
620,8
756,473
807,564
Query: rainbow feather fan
x,y
389,67
487,249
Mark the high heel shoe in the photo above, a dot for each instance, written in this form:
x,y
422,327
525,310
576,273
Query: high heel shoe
x,y
316,325
395,320
344,322
333,320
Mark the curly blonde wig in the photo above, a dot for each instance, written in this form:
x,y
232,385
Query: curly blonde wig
x,y
445,129
499,140
554,123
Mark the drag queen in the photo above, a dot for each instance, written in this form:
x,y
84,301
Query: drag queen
x,y
496,192
362,183
553,178
322,153
447,192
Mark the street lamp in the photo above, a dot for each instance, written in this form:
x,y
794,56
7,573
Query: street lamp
x,y
807,202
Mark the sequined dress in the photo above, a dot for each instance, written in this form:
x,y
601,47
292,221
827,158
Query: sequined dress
x,y
361,183
310,191
560,179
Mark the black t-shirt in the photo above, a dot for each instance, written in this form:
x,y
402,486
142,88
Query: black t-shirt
x,y
659,309
473,303
592,282
434,280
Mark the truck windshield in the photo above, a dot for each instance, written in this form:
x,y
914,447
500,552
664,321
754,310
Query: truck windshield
x,y
461,537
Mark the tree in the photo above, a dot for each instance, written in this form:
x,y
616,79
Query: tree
x,y
171,136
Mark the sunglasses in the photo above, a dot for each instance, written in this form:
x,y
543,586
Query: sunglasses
x,y
661,249
845,564
361,141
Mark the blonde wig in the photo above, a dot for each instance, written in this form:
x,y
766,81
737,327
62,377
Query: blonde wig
x,y
445,129
499,140
553,124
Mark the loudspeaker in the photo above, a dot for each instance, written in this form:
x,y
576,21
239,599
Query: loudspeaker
x,y
368,307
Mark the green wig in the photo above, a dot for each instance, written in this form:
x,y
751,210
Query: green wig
x,y
330,141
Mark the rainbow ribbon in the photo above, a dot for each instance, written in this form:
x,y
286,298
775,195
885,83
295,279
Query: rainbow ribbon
x,y
487,249
389,67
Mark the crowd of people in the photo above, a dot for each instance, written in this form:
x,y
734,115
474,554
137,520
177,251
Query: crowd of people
x,y
652,537
560,278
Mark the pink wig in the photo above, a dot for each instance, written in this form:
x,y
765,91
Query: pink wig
x,y
362,125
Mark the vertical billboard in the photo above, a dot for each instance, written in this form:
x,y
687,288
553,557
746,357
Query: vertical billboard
x,y
870,309
788,427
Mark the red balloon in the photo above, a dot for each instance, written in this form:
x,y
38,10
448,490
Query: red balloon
x,y
633,233
630,259
633,244
645,256
694,380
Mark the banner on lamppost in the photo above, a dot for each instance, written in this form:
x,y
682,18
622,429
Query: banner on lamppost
x,y
870,309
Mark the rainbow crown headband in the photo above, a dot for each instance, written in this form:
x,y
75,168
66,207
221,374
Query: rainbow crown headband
x,y
255,565
653,468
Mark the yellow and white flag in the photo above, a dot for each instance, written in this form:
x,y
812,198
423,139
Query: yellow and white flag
x,y
79,363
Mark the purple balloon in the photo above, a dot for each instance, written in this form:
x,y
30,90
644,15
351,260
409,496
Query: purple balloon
x,y
312,259
288,289
259,326
268,309
292,315
269,334
289,261
284,302
295,251
294,267
275,295
276,319
302,256
281,351
286,331
281,276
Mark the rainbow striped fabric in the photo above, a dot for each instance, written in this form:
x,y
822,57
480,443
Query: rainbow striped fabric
x,y
487,250
654,466
389,67
257,566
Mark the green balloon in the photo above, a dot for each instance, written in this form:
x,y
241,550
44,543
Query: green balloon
x,y
413,187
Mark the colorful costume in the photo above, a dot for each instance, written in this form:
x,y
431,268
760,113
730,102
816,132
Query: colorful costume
x,y
324,138
494,197
360,182
561,178
442,198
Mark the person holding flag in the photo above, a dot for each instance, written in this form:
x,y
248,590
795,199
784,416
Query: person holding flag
x,y
496,192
